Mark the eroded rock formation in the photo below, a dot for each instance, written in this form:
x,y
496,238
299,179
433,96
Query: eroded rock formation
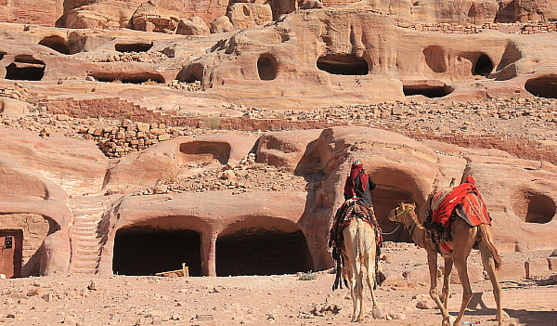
x,y
215,220
145,181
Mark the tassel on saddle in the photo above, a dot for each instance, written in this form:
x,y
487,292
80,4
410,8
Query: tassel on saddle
x,y
437,232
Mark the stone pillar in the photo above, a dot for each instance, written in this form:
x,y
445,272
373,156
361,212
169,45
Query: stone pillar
x,y
208,254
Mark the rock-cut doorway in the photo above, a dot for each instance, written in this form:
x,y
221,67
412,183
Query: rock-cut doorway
x,y
147,251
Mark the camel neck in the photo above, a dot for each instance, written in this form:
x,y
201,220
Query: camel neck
x,y
415,229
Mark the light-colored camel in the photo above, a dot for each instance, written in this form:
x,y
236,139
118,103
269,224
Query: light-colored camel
x,y
463,238
359,250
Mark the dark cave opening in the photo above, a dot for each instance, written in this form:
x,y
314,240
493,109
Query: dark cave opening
x,y
57,43
540,209
191,73
133,47
267,66
483,66
257,251
338,64
147,251
545,86
427,91
25,67
129,80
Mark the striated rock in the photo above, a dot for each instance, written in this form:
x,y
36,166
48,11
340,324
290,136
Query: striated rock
x,y
150,18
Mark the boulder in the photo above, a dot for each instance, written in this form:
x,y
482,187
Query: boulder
x,y
14,108
221,24
192,26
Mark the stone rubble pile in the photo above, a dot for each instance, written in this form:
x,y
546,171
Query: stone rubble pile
x,y
247,176
151,57
507,118
188,87
118,140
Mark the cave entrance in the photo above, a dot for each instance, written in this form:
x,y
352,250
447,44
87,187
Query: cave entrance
x,y
133,47
145,78
146,251
257,251
533,207
267,67
545,86
426,88
204,153
57,43
25,67
191,73
338,64
483,66
385,198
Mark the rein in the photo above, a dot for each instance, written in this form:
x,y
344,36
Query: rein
x,y
396,229
397,223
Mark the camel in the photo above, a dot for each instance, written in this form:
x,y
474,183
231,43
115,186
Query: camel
x,y
358,251
464,237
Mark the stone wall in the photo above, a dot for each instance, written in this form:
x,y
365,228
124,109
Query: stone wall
x,y
512,28
35,229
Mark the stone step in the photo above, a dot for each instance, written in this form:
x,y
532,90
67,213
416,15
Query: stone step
x,y
88,227
87,264
84,234
88,252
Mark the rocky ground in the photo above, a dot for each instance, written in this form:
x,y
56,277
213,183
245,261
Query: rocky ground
x,y
297,299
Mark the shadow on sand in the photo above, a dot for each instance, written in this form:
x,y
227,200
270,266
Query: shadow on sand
x,y
477,307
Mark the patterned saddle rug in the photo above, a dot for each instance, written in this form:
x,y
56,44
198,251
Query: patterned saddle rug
x,y
470,207
463,201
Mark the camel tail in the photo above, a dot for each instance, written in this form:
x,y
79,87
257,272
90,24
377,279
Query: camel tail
x,y
487,238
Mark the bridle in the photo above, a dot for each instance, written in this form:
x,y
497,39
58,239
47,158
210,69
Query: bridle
x,y
402,212
398,224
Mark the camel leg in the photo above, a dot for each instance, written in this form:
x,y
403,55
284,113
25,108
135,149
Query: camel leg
x,y
446,282
351,236
358,291
466,288
370,277
489,266
432,264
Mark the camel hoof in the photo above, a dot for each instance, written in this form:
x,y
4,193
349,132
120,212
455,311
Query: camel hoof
x,y
376,313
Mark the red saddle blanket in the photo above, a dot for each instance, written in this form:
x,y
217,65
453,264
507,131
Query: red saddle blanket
x,y
463,200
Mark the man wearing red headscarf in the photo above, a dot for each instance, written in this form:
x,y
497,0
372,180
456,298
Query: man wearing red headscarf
x,y
358,184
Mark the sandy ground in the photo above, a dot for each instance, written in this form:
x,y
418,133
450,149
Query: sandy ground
x,y
302,299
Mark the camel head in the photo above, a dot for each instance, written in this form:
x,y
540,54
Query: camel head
x,y
399,213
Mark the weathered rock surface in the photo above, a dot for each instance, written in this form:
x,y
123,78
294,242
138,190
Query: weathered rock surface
x,y
111,126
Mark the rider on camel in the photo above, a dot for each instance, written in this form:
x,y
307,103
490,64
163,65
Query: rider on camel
x,y
357,189
359,184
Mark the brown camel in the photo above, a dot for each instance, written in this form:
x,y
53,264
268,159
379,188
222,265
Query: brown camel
x,y
464,237
357,250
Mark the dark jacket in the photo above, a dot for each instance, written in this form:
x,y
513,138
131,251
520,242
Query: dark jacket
x,y
354,187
